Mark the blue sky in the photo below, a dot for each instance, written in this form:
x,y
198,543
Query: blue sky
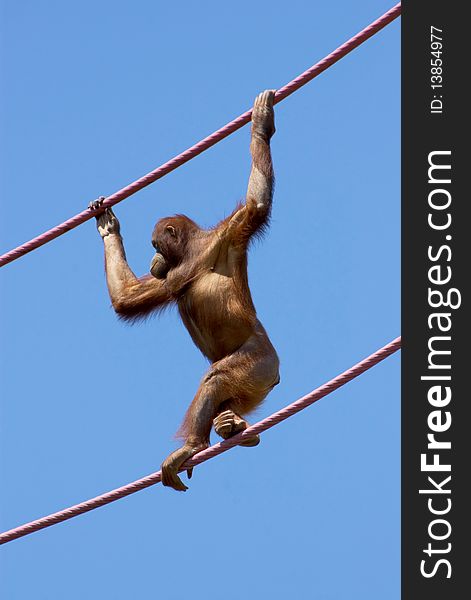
x,y
95,94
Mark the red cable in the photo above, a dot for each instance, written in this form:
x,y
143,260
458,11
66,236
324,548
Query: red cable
x,y
203,145
145,482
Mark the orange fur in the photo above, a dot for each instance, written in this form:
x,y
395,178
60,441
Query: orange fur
x,y
204,272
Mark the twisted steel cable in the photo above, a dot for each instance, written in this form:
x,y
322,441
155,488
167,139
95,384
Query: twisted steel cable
x,y
263,425
204,144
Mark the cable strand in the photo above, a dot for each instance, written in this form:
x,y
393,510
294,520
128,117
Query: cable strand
x,y
204,144
215,450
